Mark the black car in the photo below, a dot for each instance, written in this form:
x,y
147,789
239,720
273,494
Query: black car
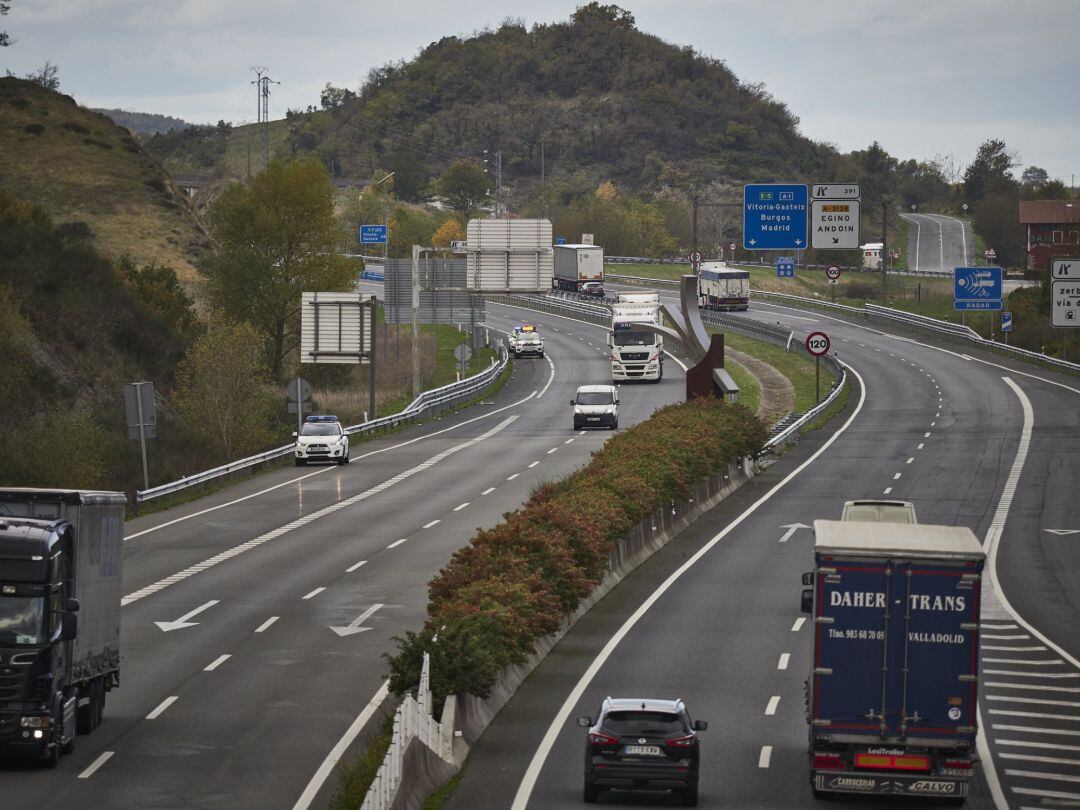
x,y
642,744
592,288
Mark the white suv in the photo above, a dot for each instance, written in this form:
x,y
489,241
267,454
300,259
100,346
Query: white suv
x,y
596,406
321,439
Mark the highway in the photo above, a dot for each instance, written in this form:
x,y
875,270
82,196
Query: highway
x,y
255,618
714,618
938,242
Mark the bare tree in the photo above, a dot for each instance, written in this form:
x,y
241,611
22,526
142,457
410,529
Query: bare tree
x,y
48,76
5,40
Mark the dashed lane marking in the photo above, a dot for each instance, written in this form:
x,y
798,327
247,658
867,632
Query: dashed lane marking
x,y
166,703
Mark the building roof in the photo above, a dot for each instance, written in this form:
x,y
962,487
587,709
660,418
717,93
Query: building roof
x,y
1049,212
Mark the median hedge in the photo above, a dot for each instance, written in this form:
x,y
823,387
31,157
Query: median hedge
x,y
516,582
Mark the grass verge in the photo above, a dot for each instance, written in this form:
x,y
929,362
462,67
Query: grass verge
x,y
796,366
355,776
749,388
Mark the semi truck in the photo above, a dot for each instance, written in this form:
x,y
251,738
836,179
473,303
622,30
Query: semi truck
x,y
60,593
576,264
891,694
723,288
636,353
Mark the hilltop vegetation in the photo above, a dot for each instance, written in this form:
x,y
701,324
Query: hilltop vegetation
x,y
94,176
143,123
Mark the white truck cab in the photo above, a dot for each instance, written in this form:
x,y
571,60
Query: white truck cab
x,y
596,406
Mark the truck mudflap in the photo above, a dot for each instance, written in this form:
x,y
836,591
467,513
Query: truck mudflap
x,y
893,784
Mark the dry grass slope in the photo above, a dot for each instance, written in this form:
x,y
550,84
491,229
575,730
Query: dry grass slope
x,y
81,167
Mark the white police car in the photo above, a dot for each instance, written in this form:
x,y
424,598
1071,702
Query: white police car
x,y
321,439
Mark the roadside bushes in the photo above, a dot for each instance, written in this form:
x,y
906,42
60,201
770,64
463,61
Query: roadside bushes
x,y
516,582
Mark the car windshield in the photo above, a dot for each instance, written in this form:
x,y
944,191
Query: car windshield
x,y
22,620
634,338
321,429
594,398
639,722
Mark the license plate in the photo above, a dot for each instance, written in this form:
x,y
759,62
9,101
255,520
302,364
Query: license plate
x,y
592,418
643,750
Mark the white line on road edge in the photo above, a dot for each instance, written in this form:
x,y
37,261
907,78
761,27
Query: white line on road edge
x,y
558,723
774,701
217,662
315,592
397,543
551,378
327,767
354,566
166,703
262,628
304,521
97,763
329,469
765,757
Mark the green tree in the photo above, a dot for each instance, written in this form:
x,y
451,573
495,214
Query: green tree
x,y
990,172
275,238
464,187
1034,178
996,220
5,40
222,389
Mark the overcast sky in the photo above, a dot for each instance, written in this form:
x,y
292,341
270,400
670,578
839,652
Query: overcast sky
x,y
923,77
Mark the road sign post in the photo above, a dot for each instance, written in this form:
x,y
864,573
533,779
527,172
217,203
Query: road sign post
x,y
774,216
141,418
817,343
1006,324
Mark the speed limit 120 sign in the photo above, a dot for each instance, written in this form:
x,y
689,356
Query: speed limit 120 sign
x,y
817,343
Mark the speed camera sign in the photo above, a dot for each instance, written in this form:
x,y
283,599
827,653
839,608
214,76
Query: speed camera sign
x,y
817,343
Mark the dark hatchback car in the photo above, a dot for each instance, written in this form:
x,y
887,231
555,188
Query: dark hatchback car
x,y
640,744
592,288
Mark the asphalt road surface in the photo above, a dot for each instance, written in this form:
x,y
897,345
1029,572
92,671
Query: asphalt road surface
x,y
938,242
714,618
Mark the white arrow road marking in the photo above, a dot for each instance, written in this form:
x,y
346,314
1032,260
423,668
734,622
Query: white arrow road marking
x,y
354,626
1062,532
183,622
791,529
307,519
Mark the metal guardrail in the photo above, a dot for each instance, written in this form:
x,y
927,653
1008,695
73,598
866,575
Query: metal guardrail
x,y
429,403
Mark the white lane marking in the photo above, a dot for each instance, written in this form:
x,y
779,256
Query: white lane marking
x,y
512,477
1031,674
887,491
1010,637
461,506
558,723
568,441
1033,730
933,424
765,756
1040,701
97,763
488,491
784,658
354,566
1024,662
1033,687
1037,648
314,593
910,460
1057,777
431,523
798,624
217,662
262,628
328,469
166,703
397,543
552,450
774,701
897,477
990,626
921,445
327,510
533,464
926,435
1048,794
1047,746
1040,715
551,377
328,764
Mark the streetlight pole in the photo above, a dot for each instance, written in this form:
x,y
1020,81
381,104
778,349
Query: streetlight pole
x,y
386,216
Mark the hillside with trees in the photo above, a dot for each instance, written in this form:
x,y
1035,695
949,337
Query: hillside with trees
x,y
143,123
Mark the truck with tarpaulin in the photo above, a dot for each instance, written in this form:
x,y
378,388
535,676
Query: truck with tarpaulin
x,y
892,690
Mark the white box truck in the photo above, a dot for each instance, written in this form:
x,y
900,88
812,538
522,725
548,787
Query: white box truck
x,y
723,288
576,264
636,353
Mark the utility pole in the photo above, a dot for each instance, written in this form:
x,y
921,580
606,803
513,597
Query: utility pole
x,y
693,226
262,108
498,184
884,252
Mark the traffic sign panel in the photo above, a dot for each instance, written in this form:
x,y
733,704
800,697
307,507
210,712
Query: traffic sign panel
x,y
695,257
835,191
1065,268
1064,303
833,272
977,288
785,267
1006,321
774,216
817,343
373,234
834,224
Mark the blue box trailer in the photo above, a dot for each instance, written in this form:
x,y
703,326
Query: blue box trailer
x,y
891,697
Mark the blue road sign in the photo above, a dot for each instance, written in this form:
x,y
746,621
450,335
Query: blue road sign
x,y
774,217
373,234
785,267
1006,321
977,288
560,240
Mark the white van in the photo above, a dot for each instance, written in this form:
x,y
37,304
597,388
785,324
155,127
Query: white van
x,y
596,406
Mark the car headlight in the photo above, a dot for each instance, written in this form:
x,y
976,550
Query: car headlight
x,y
34,722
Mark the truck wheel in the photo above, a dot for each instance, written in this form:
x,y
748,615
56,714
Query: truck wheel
x,y
689,797
821,795
86,715
955,801
101,703
300,462
52,757
590,794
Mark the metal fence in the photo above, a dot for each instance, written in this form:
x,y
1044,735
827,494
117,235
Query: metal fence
x,y
430,403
